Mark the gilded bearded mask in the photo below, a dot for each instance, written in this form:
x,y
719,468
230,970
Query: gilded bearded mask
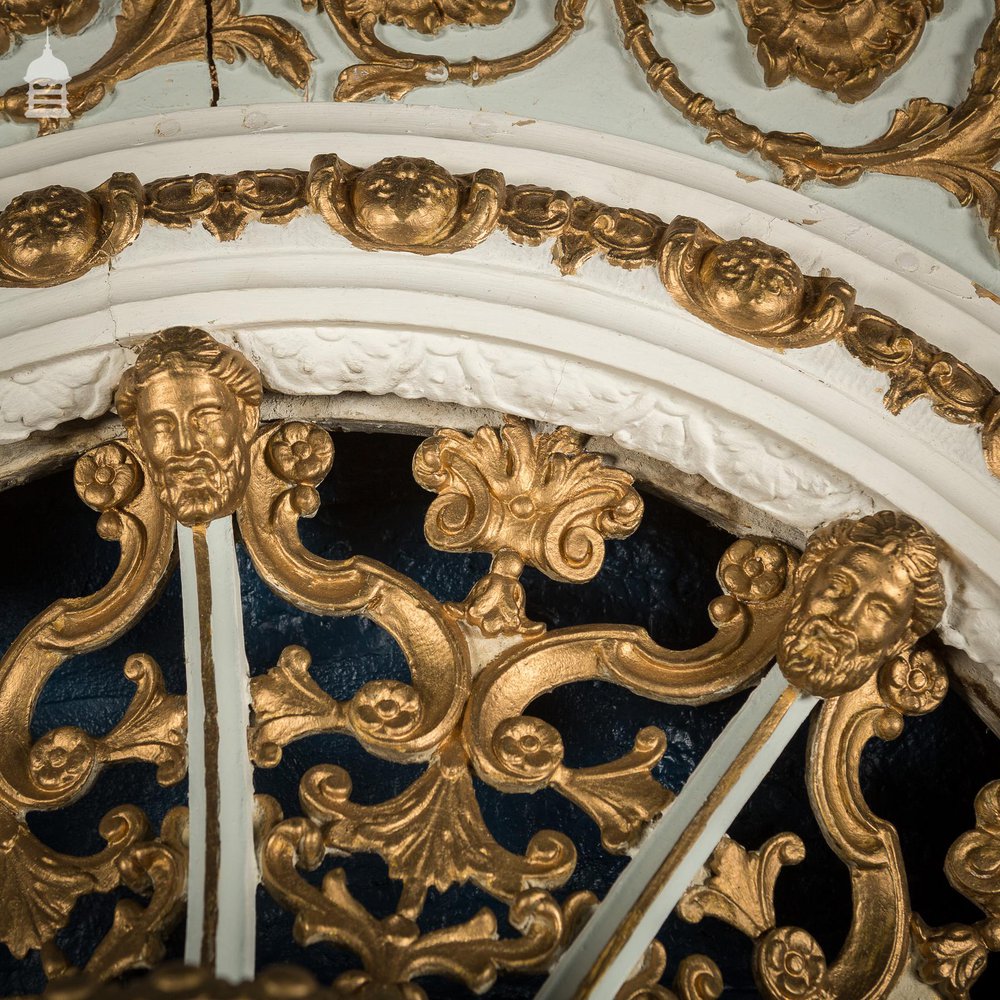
x,y
866,590
191,408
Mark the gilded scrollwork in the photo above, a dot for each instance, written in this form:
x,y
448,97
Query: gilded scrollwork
x,y
528,499
151,33
58,234
955,148
581,228
739,887
225,204
393,951
953,957
519,753
398,721
387,72
847,47
405,203
918,370
698,978
751,289
31,17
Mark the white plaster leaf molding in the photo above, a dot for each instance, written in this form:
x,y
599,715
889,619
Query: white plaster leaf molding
x,y
42,396
748,461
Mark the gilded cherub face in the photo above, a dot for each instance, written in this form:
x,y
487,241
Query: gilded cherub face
x,y
192,435
848,619
752,286
405,201
48,231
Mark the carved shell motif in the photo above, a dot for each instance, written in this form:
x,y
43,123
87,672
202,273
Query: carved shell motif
x,y
847,47
750,289
406,203
57,234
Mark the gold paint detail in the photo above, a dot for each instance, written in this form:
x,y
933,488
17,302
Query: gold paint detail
x,y
191,407
393,950
955,148
740,884
527,499
918,370
698,978
866,591
29,17
213,833
750,289
953,957
405,203
41,886
386,72
744,287
153,33
684,843
847,47
225,204
581,228
58,234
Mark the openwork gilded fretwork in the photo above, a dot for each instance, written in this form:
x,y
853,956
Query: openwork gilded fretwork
x,y
873,676
41,887
847,622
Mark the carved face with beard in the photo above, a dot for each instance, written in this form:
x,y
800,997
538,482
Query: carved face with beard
x,y
852,613
191,409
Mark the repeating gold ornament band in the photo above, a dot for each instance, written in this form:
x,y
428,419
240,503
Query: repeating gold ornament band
x,y
744,287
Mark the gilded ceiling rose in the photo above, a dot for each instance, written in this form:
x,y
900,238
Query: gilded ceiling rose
x,y
847,47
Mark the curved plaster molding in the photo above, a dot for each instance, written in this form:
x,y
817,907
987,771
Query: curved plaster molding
x,y
802,436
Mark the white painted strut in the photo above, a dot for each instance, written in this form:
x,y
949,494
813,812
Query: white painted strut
x,y
614,940
222,876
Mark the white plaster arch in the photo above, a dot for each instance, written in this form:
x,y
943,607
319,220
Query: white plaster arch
x,y
802,436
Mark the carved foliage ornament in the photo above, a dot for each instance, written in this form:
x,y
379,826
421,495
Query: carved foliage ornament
x,y
956,148
387,72
844,46
32,17
744,287
151,33
189,404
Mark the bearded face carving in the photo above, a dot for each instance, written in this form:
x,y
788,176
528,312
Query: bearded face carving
x,y
191,408
866,590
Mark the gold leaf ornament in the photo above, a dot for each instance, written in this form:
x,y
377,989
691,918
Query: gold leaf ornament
x,y
406,203
57,234
535,499
739,888
32,17
847,47
750,289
